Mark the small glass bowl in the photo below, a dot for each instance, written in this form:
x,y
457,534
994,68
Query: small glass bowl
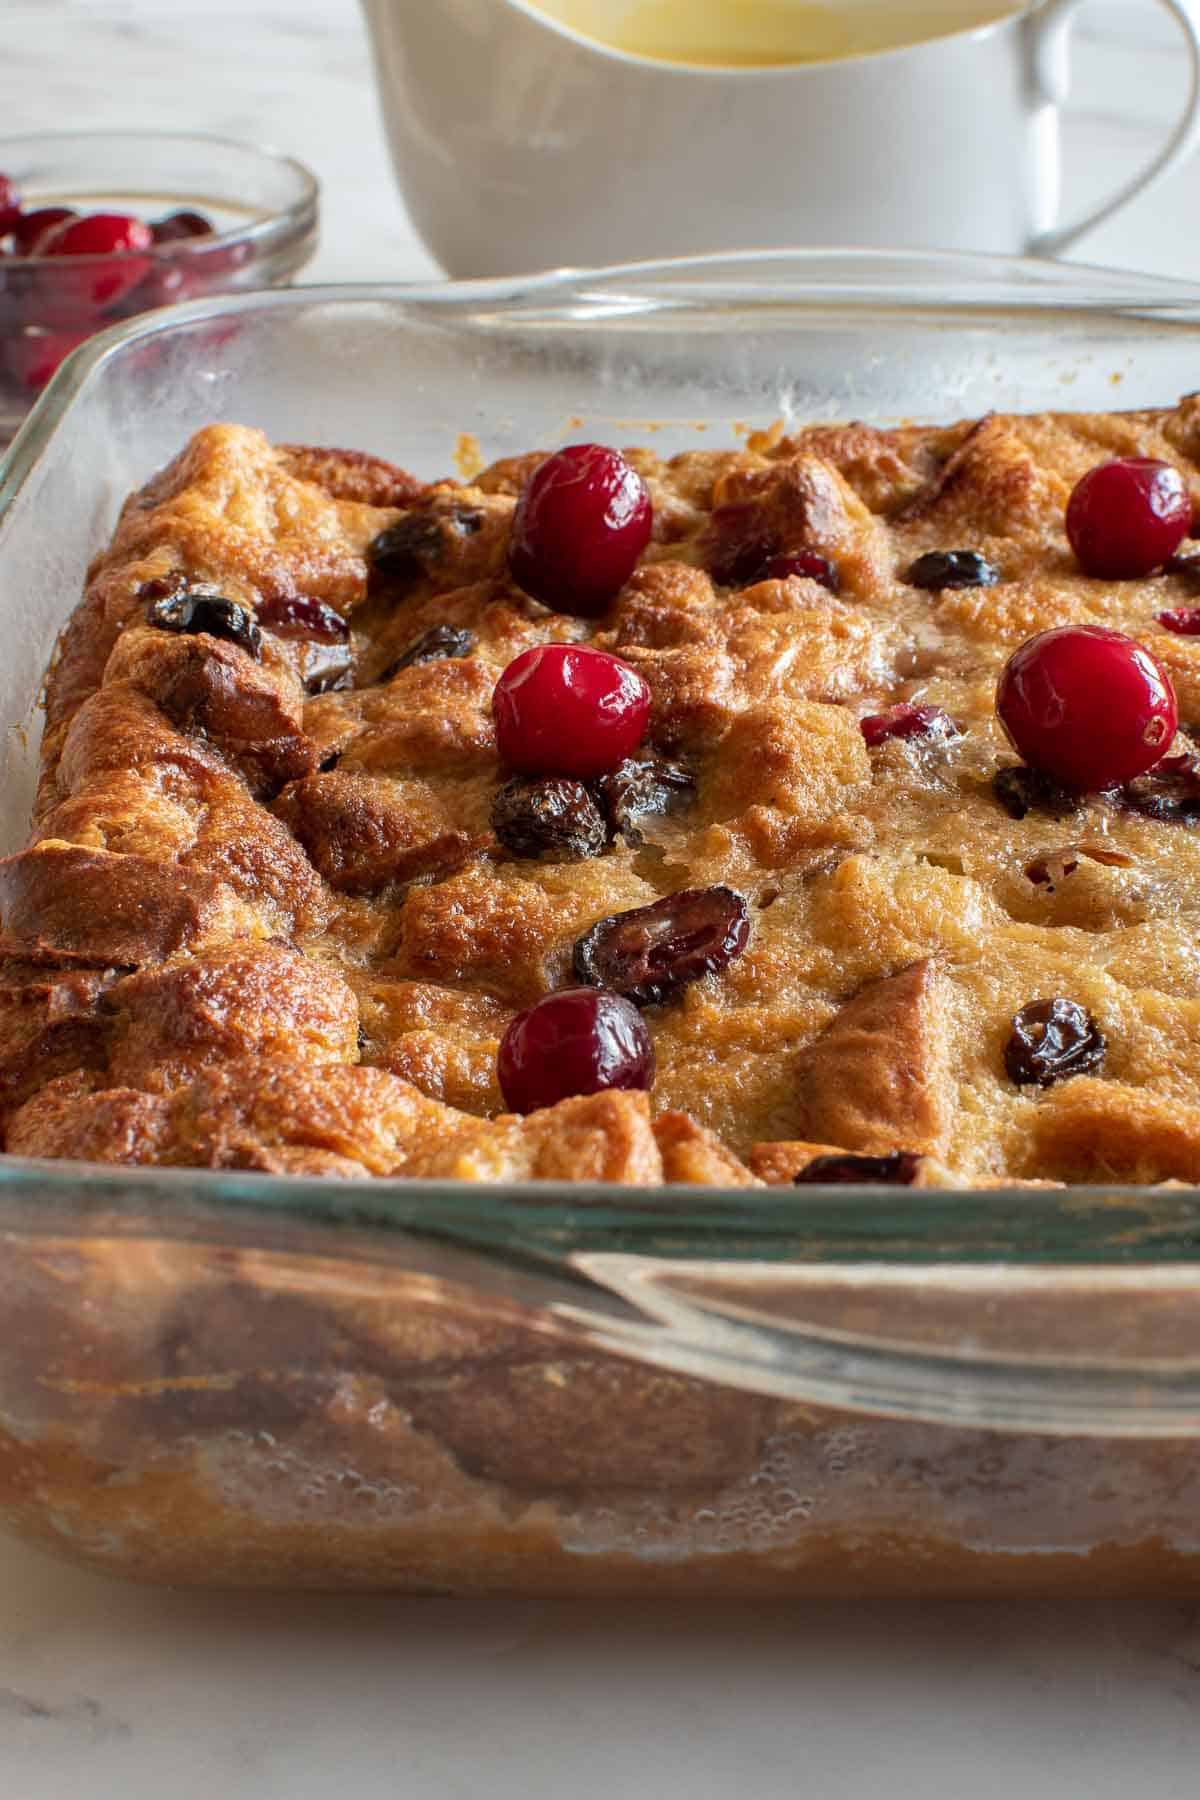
x,y
263,206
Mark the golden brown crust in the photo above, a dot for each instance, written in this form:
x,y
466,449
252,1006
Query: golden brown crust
x,y
265,925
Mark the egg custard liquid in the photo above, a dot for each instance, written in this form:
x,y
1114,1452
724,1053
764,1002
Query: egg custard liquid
x,y
761,33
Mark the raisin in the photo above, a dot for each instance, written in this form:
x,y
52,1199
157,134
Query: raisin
x,y
738,546
192,609
648,954
295,615
400,550
1169,794
329,762
554,816
1051,1041
634,788
1021,790
404,550
898,1169
952,569
437,644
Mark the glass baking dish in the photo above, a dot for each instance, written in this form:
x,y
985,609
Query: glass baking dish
x,y
222,1379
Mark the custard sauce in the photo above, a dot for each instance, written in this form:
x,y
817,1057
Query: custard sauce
x,y
761,33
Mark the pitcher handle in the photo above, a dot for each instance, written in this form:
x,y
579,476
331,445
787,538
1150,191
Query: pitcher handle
x,y
1051,27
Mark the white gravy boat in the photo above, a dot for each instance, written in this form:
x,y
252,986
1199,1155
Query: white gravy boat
x,y
521,144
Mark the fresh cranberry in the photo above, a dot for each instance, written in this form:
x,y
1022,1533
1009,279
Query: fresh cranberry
x,y
1184,621
904,721
10,205
1087,705
178,227
31,359
115,235
1125,518
32,228
579,1041
581,523
561,709
807,565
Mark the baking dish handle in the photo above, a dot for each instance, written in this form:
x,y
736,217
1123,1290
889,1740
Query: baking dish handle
x,y
1051,27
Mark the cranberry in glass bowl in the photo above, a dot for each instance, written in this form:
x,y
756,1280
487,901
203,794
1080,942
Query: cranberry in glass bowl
x,y
101,225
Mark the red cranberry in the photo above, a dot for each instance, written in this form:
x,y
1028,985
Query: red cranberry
x,y
1087,705
579,1041
1184,621
904,721
113,235
32,227
561,709
1125,518
178,227
31,359
808,565
10,205
582,521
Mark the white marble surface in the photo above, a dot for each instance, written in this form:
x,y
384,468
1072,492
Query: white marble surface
x,y
108,1691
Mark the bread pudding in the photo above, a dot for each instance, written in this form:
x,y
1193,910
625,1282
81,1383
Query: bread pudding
x,y
657,826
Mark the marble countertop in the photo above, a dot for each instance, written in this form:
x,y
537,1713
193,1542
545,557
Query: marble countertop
x,y
110,1691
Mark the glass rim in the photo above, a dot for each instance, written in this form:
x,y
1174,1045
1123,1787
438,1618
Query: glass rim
x,y
297,216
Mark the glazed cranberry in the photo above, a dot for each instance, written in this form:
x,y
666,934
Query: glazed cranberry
x,y
806,564
31,228
10,205
579,1041
1088,706
178,227
582,521
1125,518
561,709
113,235
904,721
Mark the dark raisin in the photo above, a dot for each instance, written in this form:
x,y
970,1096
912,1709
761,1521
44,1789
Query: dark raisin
x,y
650,953
898,1169
952,569
554,817
400,550
404,551
329,762
190,609
295,615
1169,794
1051,1041
635,788
738,547
1021,790
437,644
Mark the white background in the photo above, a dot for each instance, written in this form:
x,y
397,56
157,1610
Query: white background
x,y
109,1691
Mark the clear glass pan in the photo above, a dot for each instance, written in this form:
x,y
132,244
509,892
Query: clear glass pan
x,y
211,1377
